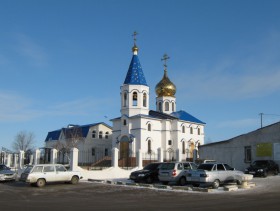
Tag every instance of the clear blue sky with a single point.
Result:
(64, 61)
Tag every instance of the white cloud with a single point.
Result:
(16, 108)
(31, 51)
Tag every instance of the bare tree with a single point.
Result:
(73, 135)
(24, 141)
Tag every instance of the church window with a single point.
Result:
(166, 106)
(106, 152)
(145, 100)
(100, 134)
(124, 122)
(183, 148)
(106, 135)
(93, 135)
(198, 131)
(183, 129)
(149, 127)
(125, 99)
(169, 142)
(134, 98)
(160, 106)
(93, 151)
(149, 147)
(173, 106)
(191, 130)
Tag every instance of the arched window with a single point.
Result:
(173, 106)
(93, 135)
(125, 99)
(183, 148)
(100, 134)
(134, 98)
(198, 131)
(106, 135)
(183, 129)
(149, 127)
(145, 100)
(160, 106)
(149, 147)
(166, 106)
(191, 130)
(124, 122)
(169, 142)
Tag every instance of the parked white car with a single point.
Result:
(46, 173)
(6, 174)
(175, 172)
(214, 174)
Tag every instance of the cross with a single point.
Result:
(165, 57)
(134, 36)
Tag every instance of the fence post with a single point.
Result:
(53, 156)
(21, 158)
(139, 159)
(37, 156)
(160, 155)
(74, 155)
(115, 157)
(9, 160)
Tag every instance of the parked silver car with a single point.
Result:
(214, 174)
(41, 174)
(6, 173)
(175, 172)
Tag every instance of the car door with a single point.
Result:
(61, 173)
(222, 173)
(49, 173)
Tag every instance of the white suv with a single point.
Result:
(41, 174)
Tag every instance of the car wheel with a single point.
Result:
(265, 174)
(276, 172)
(216, 184)
(149, 180)
(74, 180)
(165, 183)
(41, 183)
(182, 181)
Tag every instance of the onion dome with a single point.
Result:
(165, 87)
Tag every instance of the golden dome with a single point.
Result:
(165, 87)
(134, 48)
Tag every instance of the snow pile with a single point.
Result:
(112, 173)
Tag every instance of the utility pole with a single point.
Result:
(261, 114)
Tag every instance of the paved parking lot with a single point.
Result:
(98, 196)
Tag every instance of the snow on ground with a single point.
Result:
(112, 173)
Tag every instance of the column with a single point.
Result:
(37, 156)
(139, 159)
(115, 157)
(160, 155)
(74, 155)
(21, 159)
(53, 156)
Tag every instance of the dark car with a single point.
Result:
(263, 168)
(148, 174)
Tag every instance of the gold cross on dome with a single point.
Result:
(165, 57)
(134, 36)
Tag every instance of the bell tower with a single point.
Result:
(134, 91)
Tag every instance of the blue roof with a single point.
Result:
(182, 115)
(135, 74)
(68, 132)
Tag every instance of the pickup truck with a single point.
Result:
(214, 174)
(41, 174)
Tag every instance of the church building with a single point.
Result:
(174, 134)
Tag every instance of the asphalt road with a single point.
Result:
(96, 196)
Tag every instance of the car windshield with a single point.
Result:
(28, 169)
(260, 163)
(167, 166)
(205, 166)
(3, 167)
(151, 166)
